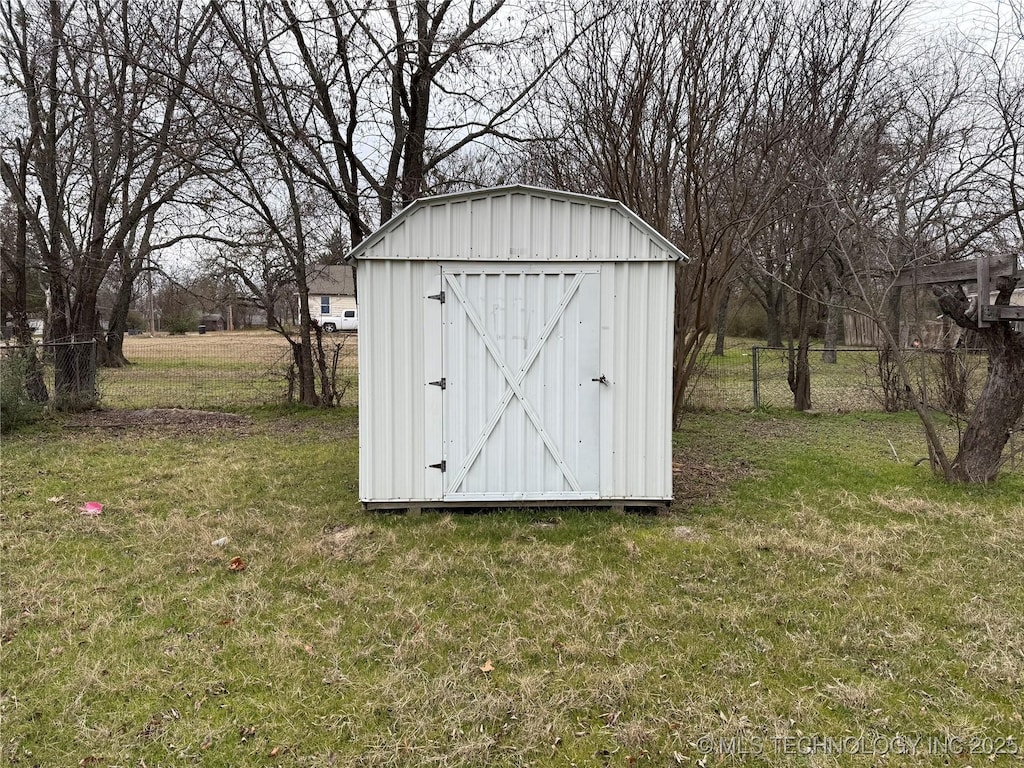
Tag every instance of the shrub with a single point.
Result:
(16, 407)
(135, 321)
(179, 325)
(747, 319)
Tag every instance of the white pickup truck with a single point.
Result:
(346, 321)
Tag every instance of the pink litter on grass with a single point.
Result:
(91, 508)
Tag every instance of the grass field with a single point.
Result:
(215, 370)
(811, 584)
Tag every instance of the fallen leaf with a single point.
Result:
(487, 666)
(236, 565)
(56, 500)
(226, 622)
(207, 743)
(275, 752)
(308, 649)
(91, 508)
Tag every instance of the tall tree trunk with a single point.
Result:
(999, 408)
(721, 321)
(304, 350)
(114, 342)
(893, 317)
(799, 360)
(17, 262)
(74, 375)
(833, 317)
(133, 261)
(775, 311)
(1001, 403)
(76, 329)
(271, 308)
(19, 259)
(326, 380)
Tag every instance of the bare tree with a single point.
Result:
(100, 85)
(16, 262)
(361, 107)
(1000, 406)
(917, 190)
(679, 111)
(374, 100)
(838, 74)
(264, 274)
(273, 211)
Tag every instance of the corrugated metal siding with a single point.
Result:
(399, 353)
(636, 355)
(516, 225)
(401, 428)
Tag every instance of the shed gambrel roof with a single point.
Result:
(517, 223)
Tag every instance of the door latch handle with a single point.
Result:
(601, 380)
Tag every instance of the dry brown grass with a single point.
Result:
(217, 370)
(237, 346)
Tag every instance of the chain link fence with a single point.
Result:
(859, 379)
(59, 374)
(221, 370)
(208, 371)
(225, 370)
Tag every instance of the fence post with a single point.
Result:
(753, 364)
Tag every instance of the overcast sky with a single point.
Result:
(971, 17)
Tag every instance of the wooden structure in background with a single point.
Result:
(980, 271)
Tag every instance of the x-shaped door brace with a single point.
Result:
(515, 382)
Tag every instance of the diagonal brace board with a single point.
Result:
(514, 381)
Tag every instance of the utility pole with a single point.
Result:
(152, 308)
(229, 293)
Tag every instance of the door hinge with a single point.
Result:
(438, 297)
(442, 383)
(443, 465)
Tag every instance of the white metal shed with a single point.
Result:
(515, 347)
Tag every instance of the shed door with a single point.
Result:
(521, 354)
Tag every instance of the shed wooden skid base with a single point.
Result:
(621, 505)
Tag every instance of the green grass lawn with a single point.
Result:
(810, 583)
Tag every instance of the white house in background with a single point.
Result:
(515, 348)
(332, 291)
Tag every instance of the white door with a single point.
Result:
(520, 355)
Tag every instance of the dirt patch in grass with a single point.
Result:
(179, 421)
(696, 481)
(327, 426)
